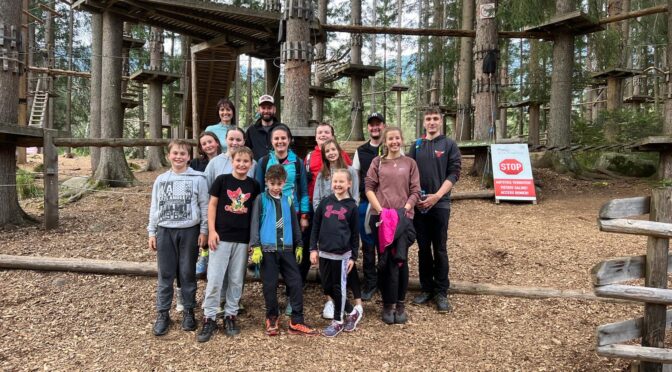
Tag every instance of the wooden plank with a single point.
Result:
(621, 269)
(614, 333)
(116, 142)
(623, 208)
(50, 162)
(637, 227)
(635, 293)
(648, 354)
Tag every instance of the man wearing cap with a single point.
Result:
(361, 162)
(257, 136)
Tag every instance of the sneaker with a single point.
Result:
(179, 304)
(328, 312)
(422, 298)
(367, 295)
(301, 329)
(388, 313)
(188, 320)
(352, 320)
(288, 309)
(333, 329)
(161, 324)
(209, 329)
(272, 328)
(230, 327)
(442, 304)
(400, 316)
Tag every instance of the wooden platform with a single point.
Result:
(25, 136)
(316, 91)
(638, 99)
(616, 72)
(350, 69)
(524, 103)
(577, 23)
(399, 88)
(146, 76)
(653, 144)
(129, 42)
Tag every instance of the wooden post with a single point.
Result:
(23, 83)
(356, 81)
(321, 55)
(297, 54)
(50, 159)
(195, 124)
(533, 129)
(272, 85)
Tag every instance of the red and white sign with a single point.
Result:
(512, 172)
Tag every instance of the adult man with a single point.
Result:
(257, 136)
(362, 161)
(439, 163)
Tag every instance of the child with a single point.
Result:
(178, 225)
(231, 197)
(209, 146)
(335, 234)
(332, 158)
(273, 236)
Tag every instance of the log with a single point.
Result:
(621, 269)
(624, 208)
(636, 293)
(618, 332)
(109, 267)
(637, 227)
(116, 142)
(486, 194)
(647, 354)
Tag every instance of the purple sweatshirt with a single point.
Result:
(395, 182)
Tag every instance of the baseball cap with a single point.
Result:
(266, 98)
(376, 115)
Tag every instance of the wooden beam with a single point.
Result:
(37, 19)
(633, 14)
(218, 41)
(621, 269)
(357, 29)
(647, 354)
(636, 293)
(624, 208)
(115, 142)
(618, 332)
(637, 227)
(56, 71)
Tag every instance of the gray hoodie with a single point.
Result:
(179, 200)
(223, 164)
(323, 187)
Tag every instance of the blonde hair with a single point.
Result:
(179, 142)
(387, 130)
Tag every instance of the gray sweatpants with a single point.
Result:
(228, 259)
(176, 254)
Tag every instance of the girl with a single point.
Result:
(227, 117)
(208, 147)
(222, 164)
(393, 183)
(335, 240)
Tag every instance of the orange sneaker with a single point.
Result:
(272, 328)
(301, 329)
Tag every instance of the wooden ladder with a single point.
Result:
(38, 111)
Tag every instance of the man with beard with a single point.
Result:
(257, 136)
(361, 162)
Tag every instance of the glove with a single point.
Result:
(299, 254)
(256, 255)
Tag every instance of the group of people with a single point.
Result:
(250, 198)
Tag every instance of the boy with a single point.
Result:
(231, 197)
(178, 225)
(274, 234)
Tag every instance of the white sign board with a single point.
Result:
(512, 172)
(487, 11)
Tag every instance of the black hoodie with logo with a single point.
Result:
(336, 226)
(438, 160)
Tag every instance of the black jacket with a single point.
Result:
(258, 139)
(336, 226)
(365, 154)
(438, 160)
(404, 237)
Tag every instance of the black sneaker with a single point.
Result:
(388, 314)
(442, 304)
(400, 316)
(367, 295)
(161, 324)
(209, 329)
(422, 298)
(230, 327)
(188, 320)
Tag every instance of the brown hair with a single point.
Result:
(179, 142)
(227, 103)
(276, 172)
(326, 166)
(323, 124)
(432, 111)
(202, 153)
(242, 150)
(385, 132)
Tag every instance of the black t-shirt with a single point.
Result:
(234, 207)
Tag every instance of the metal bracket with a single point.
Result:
(356, 40)
(13, 37)
(302, 9)
(10, 61)
(356, 106)
(301, 51)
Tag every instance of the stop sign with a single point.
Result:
(511, 166)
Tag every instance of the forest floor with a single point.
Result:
(69, 321)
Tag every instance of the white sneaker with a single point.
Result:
(179, 304)
(360, 309)
(328, 312)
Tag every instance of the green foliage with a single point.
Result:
(606, 46)
(632, 125)
(39, 168)
(26, 186)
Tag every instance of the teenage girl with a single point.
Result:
(208, 147)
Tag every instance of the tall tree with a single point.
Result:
(112, 169)
(356, 81)
(11, 212)
(437, 50)
(96, 84)
(466, 72)
(155, 155)
(296, 106)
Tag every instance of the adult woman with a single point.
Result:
(227, 117)
(393, 189)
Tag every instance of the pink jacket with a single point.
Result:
(388, 225)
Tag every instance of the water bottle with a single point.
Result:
(423, 197)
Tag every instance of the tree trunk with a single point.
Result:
(485, 97)
(665, 167)
(23, 81)
(466, 72)
(10, 213)
(96, 81)
(273, 86)
(250, 112)
(437, 50)
(320, 55)
(561, 97)
(503, 80)
(50, 41)
(296, 106)
(113, 169)
(374, 20)
(155, 155)
(236, 91)
(356, 81)
(141, 119)
(68, 107)
(533, 129)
